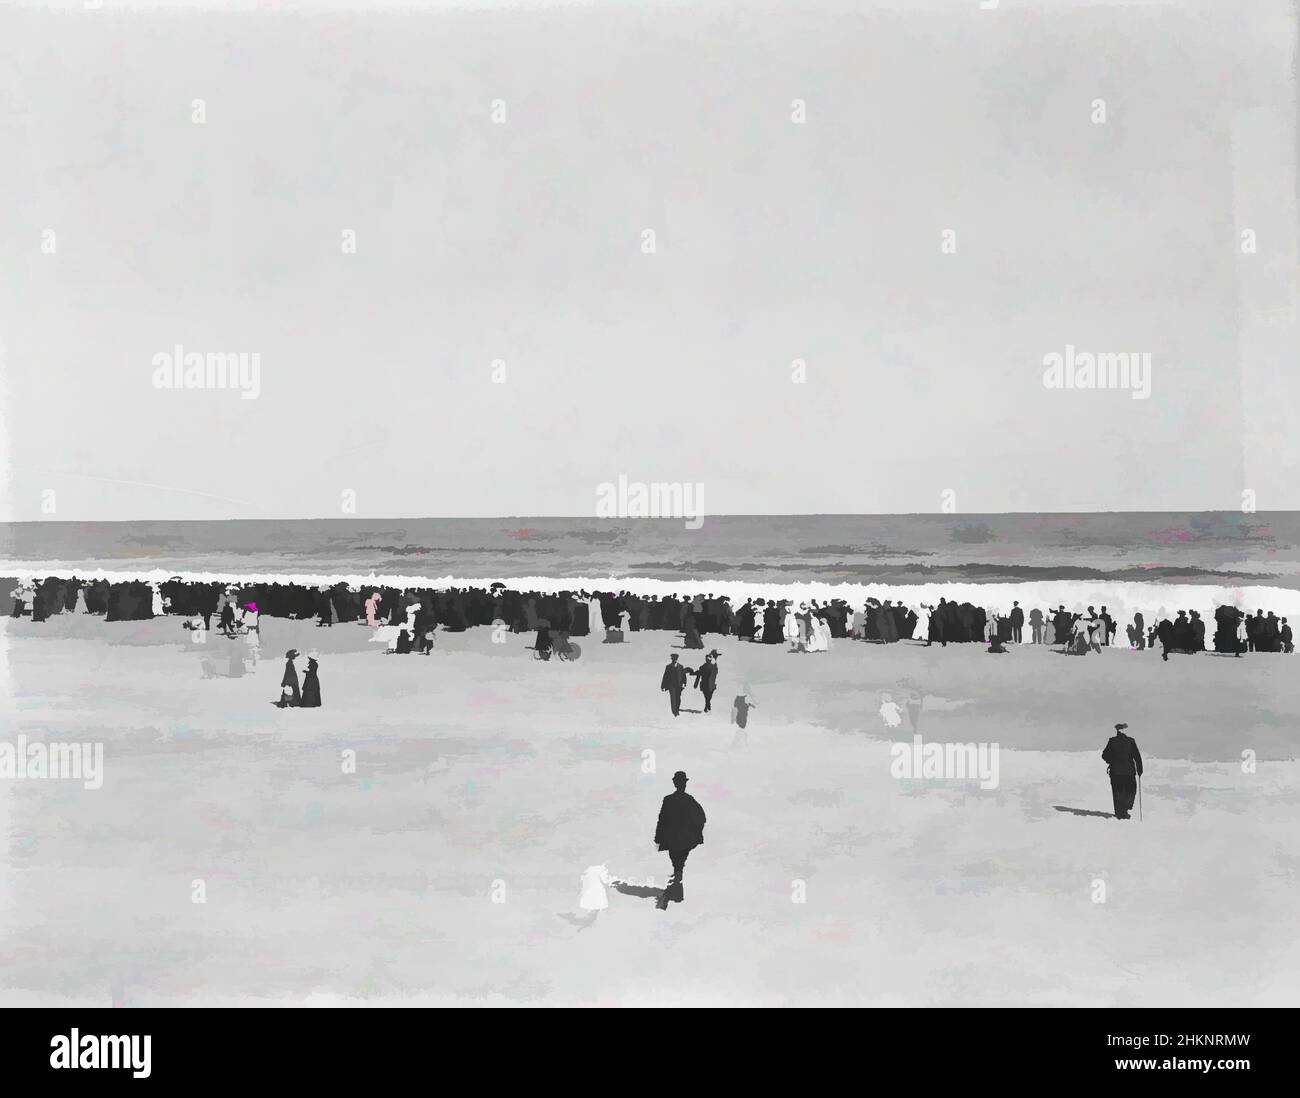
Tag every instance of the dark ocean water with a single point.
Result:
(1212, 547)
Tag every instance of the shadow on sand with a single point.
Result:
(645, 892)
(1084, 812)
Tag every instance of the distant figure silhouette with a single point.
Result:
(1137, 634)
(674, 681)
(1165, 634)
(310, 685)
(289, 694)
(679, 831)
(690, 630)
(1017, 623)
(915, 702)
(740, 708)
(1124, 765)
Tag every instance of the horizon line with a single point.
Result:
(668, 518)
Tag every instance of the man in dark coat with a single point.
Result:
(1108, 633)
(1062, 623)
(1269, 633)
(1227, 620)
(938, 624)
(1165, 634)
(207, 602)
(747, 620)
(674, 681)
(679, 831)
(887, 624)
(1253, 628)
(1124, 764)
(706, 678)
(1017, 623)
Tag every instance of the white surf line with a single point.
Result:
(1120, 598)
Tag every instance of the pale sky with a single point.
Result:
(523, 242)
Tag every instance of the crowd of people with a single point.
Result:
(406, 620)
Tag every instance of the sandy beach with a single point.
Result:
(483, 775)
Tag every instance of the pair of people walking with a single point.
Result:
(673, 680)
(290, 695)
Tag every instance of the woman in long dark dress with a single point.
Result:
(772, 631)
(289, 694)
(310, 685)
(690, 631)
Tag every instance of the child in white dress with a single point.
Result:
(890, 713)
(594, 881)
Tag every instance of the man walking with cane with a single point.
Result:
(1124, 765)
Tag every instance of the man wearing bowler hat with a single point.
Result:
(674, 681)
(680, 830)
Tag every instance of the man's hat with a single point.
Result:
(715, 652)
(292, 654)
(672, 655)
(1120, 727)
(681, 774)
